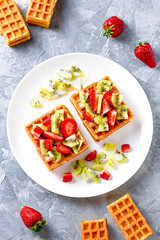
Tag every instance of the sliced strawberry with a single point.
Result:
(87, 116)
(108, 96)
(93, 98)
(112, 115)
(125, 148)
(37, 131)
(47, 122)
(67, 177)
(63, 149)
(48, 144)
(105, 175)
(91, 156)
(105, 106)
(38, 141)
(53, 136)
(68, 127)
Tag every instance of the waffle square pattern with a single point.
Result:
(12, 24)
(94, 229)
(129, 219)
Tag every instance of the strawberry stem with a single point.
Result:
(108, 31)
(37, 227)
(141, 44)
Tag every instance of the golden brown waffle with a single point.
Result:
(94, 229)
(40, 12)
(12, 24)
(129, 219)
(93, 127)
(51, 165)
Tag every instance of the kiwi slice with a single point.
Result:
(122, 112)
(56, 156)
(97, 167)
(98, 119)
(110, 161)
(103, 126)
(77, 147)
(100, 158)
(56, 120)
(93, 175)
(90, 110)
(51, 85)
(65, 73)
(104, 86)
(99, 103)
(44, 128)
(84, 174)
(44, 93)
(76, 72)
(116, 100)
(65, 85)
(34, 102)
(77, 166)
(42, 147)
(71, 141)
(109, 146)
(119, 156)
(83, 96)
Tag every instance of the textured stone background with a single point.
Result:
(77, 27)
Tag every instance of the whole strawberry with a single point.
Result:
(144, 52)
(32, 218)
(113, 27)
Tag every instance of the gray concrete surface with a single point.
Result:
(77, 27)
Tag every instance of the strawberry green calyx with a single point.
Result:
(37, 227)
(141, 44)
(108, 31)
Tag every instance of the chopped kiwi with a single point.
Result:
(51, 85)
(90, 110)
(54, 154)
(110, 161)
(34, 102)
(77, 166)
(99, 103)
(84, 174)
(104, 86)
(122, 112)
(109, 146)
(83, 96)
(44, 128)
(65, 85)
(103, 126)
(65, 73)
(77, 147)
(116, 100)
(93, 175)
(101, 158)
(44, 93)
(97, 167)
(119, 156)
(76, 72)
(98, 119)
(56, 120)
(42, 147)
(71, 141)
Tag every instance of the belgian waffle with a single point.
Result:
(93, 127)
(40, 12)
(12, 24)
(94, 229)
(51, 165)
(129, 219)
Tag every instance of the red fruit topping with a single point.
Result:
(67, 177)
(53, 136)
(47, 122)
(108, 96)
(91, 156)
(38, 141)
(112, 115)
(32, 218)
(87, 116)
(105, 175)
(68, 127)
(48, 144)
(63, 149)
(144, 52)
(93, 98)
(37, 131)
(113, 27)
(105, 106)
(125, 148)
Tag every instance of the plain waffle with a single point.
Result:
(94, 229)
(40, 12)
(129, 219)
(91, 126)
(49, 162)
(12, 24)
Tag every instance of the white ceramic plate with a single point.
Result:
(138, 133)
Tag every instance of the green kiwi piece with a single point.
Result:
(90, 110)
(65, 85)
(97, 167)
(56, 120)
(93, 175)
(83, 96)
(104, 86)
(98, 119)
(77, 147)
(84, 174)
(76, 72)
(44, 93)
(119, 156)
(122, 112)
(99, 103)
(109, 146)
(71, 141)
(100, 158)
(78, 166)
(110, 161)
(51, 85)
(103, 126)
(44, 128)
(42, 147)
(54, 154)
(116, 99)
(65, 73)
(34, 102)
